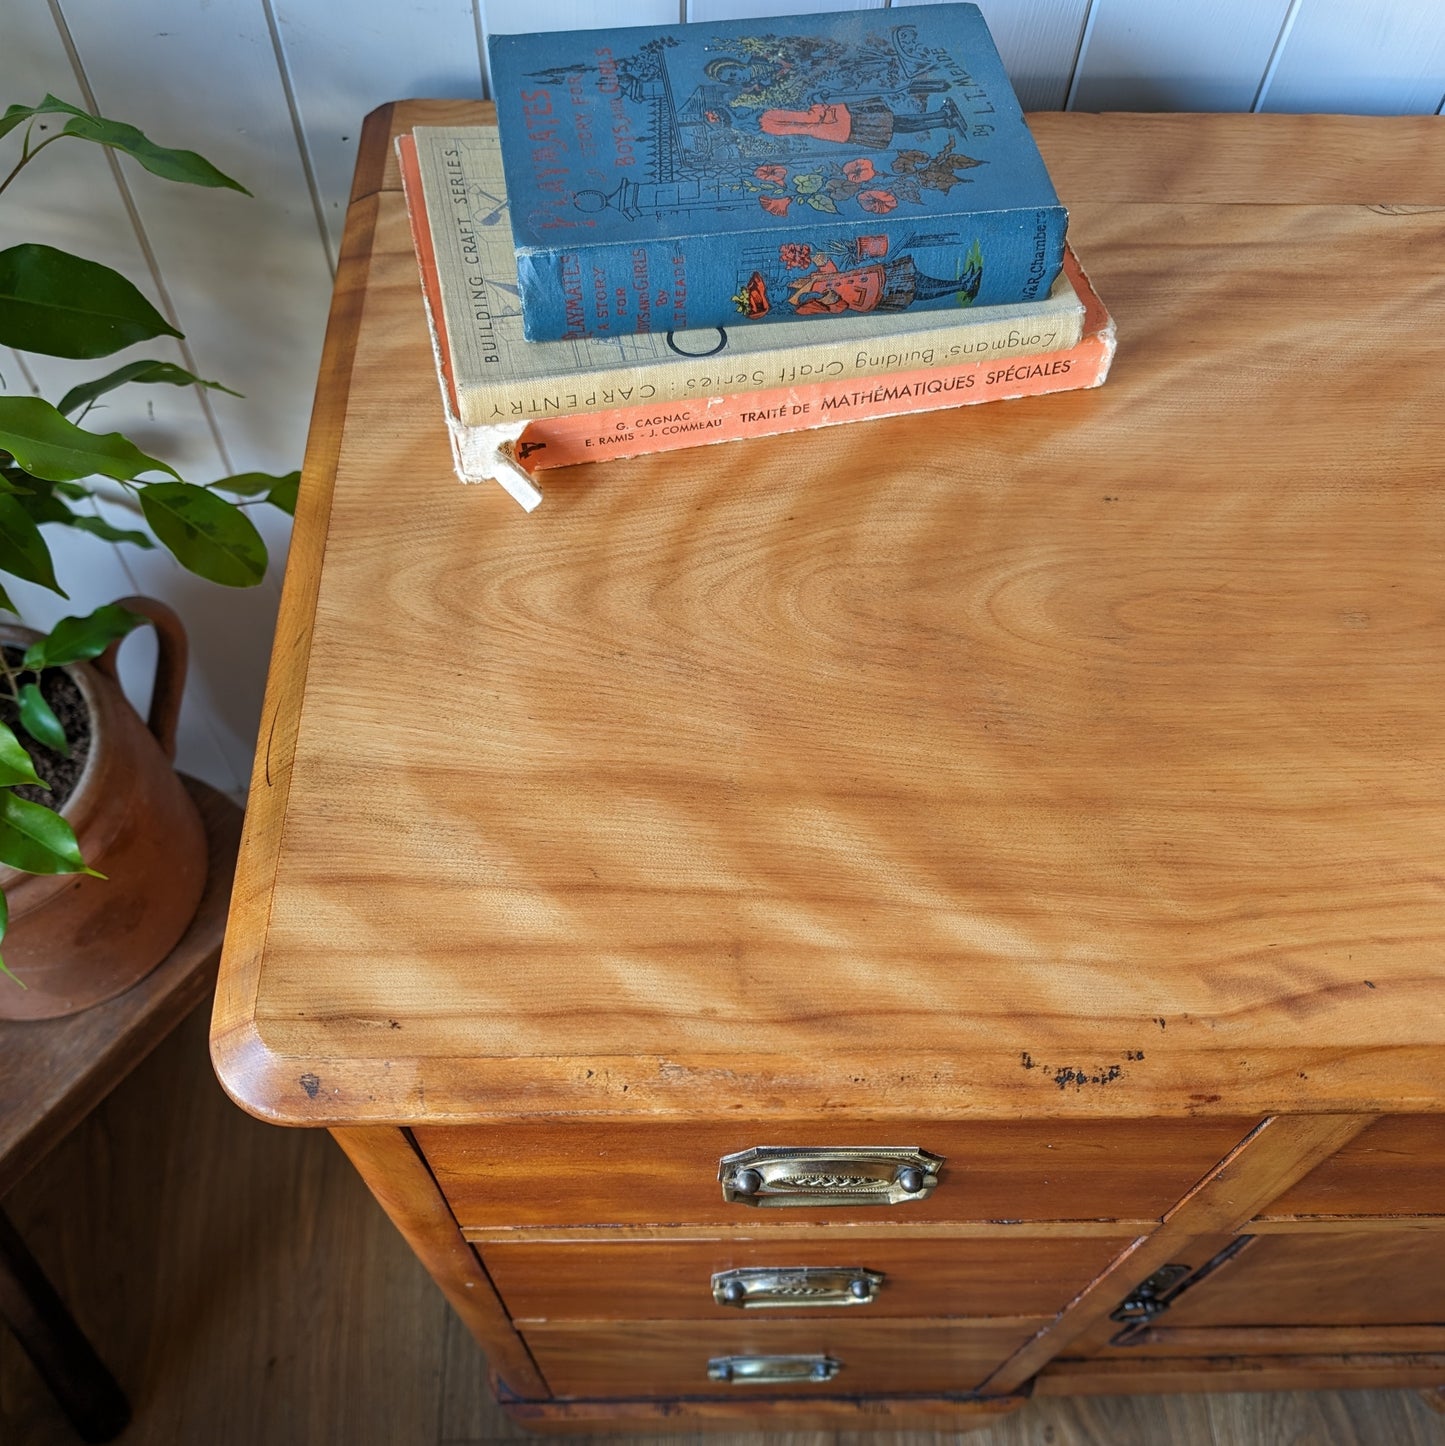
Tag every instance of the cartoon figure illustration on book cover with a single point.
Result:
(867, 280)
(870, 123)
(781, 120)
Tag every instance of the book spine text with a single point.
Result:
(639, 430)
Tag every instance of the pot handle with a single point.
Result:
(170, 668)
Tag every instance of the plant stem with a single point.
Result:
(12, 684)
(27, 155)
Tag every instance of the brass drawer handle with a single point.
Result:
(770, 1175)
(757, 1287)
(772, 1370)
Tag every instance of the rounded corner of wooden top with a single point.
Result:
(255, 1078)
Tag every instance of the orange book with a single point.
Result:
(487, 452)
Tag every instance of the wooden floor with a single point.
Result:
(248, 1292)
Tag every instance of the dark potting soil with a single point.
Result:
(68, 705)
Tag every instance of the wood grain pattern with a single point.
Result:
(1271, 1159)
(1205, 160)
(806, 1423)
(234, 1046)
(731, 762)
(54, 1072)
(661, 1173)
(322, 1326)
(670, 1358)
(1327, 1224)
(780, 1227)
(923, 1278)
(1344, 1279)
(315, 1323)
(1393, 1168)
(1331, 1340)
(1241, 1373)
(399, 1179)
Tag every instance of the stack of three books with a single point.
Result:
(725, 231)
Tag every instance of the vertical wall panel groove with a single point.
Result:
(1038, 41)
(1385, 58)
(1208, 56)
(303, 147)
(342, 61)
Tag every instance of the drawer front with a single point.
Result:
(645, 1280)
(650, 1173)
(1326, 1292)
(1395, 1167)
(672, 1358)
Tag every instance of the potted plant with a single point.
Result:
(75, 937)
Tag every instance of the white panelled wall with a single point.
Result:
(273, 91)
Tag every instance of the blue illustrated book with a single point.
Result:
(666, 178)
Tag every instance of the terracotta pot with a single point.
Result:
(74, 940)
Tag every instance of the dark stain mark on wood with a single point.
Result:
(311, 1084)
(1369, 984)
(1067, 1076)
(1160, 1023)
(1078, 1076)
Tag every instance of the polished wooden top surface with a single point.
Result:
(1077, 755)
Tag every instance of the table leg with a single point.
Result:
(77, 1377)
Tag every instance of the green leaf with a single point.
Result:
(210, 536)
(37, 840)
(63, 305)
(99, 527)
(136, 371)
(41, 724)
(246, 484)
(171, 165)
(807, 185)
(43, 505)
(45, 443)
(23, 552)
(279, 491)
(15, 115)
(75, 640)
(5, 602)
(821, 202)
(284, 494)
(16, 765)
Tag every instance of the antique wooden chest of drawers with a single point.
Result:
(867, 925)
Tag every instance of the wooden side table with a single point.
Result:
(52, 1074)
(1022, 823)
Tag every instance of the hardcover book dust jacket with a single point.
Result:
(747, 171)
